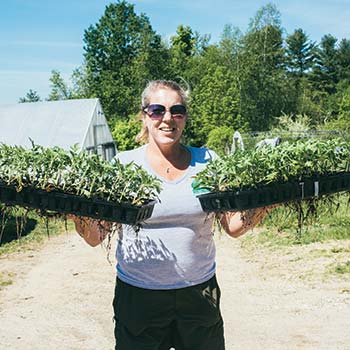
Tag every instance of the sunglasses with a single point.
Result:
(157, 112)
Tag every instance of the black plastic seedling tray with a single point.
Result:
(274, 193)
(65, 203)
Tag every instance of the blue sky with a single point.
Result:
(37, 36)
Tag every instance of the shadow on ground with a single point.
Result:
(14, 228)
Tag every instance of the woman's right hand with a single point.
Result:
(93, 231)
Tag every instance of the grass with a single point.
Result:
(337, 250)
(331, 222)
(320, 251)
(5, 279)
(35, 232)
(343, 268)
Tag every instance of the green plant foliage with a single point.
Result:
(324, 74)
(261, 76)
(300, 122)
(124, 133)
(343, 268)
(23, 229)
(245, 81)
(214, 104)
(31, 96)
(122, 51)
(220, 140)
(181, 50)
(59, 89)
(330, 221)
(80, 173)
(342, 122)
(289, 161)
(300, 53)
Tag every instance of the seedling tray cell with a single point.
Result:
(7, 194)
(274, 193)
(66, 203)
(335, 183)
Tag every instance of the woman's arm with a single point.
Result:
(93, 231)
(238, 223)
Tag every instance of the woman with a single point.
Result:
(166, 292)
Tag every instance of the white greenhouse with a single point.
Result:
(58, 123)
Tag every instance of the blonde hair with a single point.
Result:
(142, 136)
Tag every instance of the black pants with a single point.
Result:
(185, 319)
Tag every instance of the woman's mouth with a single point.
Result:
(167, 129)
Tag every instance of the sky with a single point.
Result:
(38, 36)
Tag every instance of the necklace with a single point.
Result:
(173, 166)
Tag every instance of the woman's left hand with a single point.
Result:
(93, 231)
(238, 223)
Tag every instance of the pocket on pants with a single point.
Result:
(138, 309)
(200, 304)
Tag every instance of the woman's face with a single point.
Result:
(167, 130)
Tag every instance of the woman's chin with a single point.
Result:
(166, 140)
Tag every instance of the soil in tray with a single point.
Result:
(70, 204)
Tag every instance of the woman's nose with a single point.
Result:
(167, 116)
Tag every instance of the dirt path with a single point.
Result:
(61, 299)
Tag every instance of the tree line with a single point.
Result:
(247, 81)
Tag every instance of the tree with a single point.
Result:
(300, 59)
(261, 73)
(220, 139)
(215, 103)
(324, 76)
(231, 45)
(31, 96)
(124, 133)
(59, 89)
(300, 53)
(183, 42)
(266, 16)
(342, 120)
(80, 88)
(182, 51)
(121, 52)
(343, 60)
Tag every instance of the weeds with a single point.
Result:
(5, 279)
(343, 268)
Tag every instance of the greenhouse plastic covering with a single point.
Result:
(55, 123)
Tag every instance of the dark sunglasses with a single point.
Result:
(157, 112)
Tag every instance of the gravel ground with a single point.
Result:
(62, 293)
